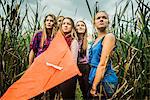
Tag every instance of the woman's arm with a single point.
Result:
(31, 57)
(33, 44)
(108, 45)
(74, 49)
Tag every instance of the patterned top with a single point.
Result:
(82, 57)
(35, 43)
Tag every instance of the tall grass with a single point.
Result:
(14, 44)
(131, 59)
(132, 54)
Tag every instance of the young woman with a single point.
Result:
(42, 38)
(68, 87)
(68, 30)
(59, 20)
(83, 66)
(101, 67)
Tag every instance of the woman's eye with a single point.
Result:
(104, 17)
(59, 20)
(50, 20)
(68, 24)
(98, 17)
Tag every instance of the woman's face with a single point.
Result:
(49, 22)
(66, 26)
(59, 20)
(101, 20)
(80, 27)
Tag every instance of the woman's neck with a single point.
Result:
(80, 36)
(66, 33)
(49, 32)
(101, 34)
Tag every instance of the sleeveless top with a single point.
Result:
(94, 59)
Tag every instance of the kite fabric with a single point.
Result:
(49, 69)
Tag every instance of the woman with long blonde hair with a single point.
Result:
(42, 38)
(59, 21)
(83, 65)
(67, 28)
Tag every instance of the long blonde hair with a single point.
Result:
(84, 45)
(54, 29)
(58, 25)
(73, 32)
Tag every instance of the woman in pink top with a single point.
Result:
(83, 66)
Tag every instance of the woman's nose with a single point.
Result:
(49, 22)
(80, 26)
(101, 20)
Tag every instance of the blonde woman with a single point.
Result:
(67, 29)
(101, 66)
(59, 20)
(42, 38)
(68, 87)
(83, 65)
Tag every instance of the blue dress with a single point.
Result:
(110, 79)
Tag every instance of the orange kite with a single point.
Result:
(49, 69)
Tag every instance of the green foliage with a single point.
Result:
(14, 42)
(132, 54)
(131, 59)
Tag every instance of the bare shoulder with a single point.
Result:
(110, 37)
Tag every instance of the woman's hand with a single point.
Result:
(93, 92)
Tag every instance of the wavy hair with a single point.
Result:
(73, 32)
(84, 45)
(54, 29)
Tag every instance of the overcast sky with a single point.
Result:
(69, 7)
(76, 9)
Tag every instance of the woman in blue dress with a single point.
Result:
(99, 58)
